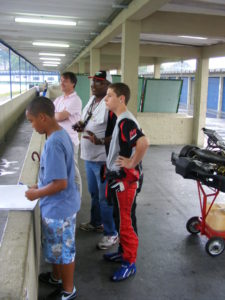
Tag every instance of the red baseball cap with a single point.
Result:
(100, 75)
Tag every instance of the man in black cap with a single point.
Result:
(94, 144)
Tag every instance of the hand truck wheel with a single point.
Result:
(215, 246)
(192, 225)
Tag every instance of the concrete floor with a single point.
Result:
(171, 264)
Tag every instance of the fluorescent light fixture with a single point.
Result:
(47, 44)
(193, 37)
(51, 62)
(48, 65)
(52, 54)
(46, 21)
(50, 58)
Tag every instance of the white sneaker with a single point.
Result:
(107, 241)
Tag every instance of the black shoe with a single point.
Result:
(48, 278)
(89, 227)
(59, 294)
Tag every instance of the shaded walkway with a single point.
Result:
(171, 263)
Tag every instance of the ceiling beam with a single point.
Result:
(165, 51)
(168, 51)
(111, 49)
(214, 51)
(136, 10)
(169, 23)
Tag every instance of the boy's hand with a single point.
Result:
(32, 194)
(124, 162)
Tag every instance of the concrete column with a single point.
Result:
(220, 98)
(200, 100)
(189, 94)
(94, 61)
(130, 60)
(157, 70)
(81, 66)
(75, 68)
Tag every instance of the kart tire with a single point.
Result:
(186, 151)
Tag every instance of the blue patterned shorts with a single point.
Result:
(58, 240)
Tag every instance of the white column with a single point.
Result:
(157, 70)
(130, 60)
(189, 94)
(220, 98)
(200, 100)
(94, 61)
(75, 68)
(81, 66)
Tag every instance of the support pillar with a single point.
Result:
(200, 100)
(81, 66)
(157, 70)
(130, 60)
(75, 68)
(220, 98)
(189, 94)
(94, 61)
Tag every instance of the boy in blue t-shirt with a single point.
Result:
(59, 198)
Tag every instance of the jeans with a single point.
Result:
(101, 212)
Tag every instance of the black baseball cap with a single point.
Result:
(100, 75)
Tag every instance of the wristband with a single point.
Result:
(102, 141)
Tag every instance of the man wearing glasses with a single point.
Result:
(94, 144)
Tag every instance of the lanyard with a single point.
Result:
(90, 111)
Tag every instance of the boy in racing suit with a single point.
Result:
(127, 149)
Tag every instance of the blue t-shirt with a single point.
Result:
(57, 162)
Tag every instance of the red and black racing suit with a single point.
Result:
(123, 197)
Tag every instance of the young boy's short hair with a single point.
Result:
(121, 89)
(71, 76)
(41, 105)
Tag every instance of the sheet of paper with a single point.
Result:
(12, 197)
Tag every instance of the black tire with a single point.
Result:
(215, 246)
(187, 151)
(192, 224)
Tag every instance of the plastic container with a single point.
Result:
(216, 216)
